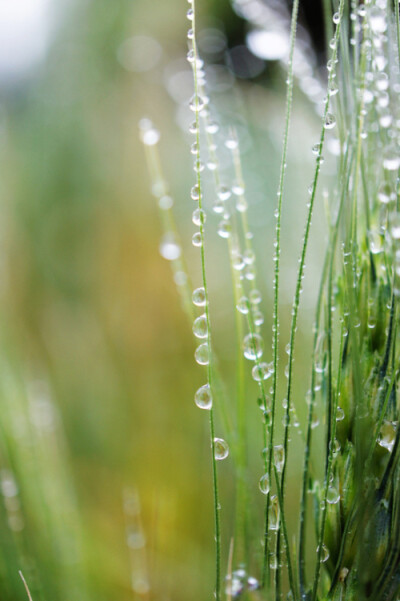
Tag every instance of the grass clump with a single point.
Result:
(345, 540)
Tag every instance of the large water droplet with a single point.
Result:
(333, 495)
(203, 398)
(199, 297)
(202, 355)
(253, 346)
(200, 329)
(264, 484)
(261, 372)
(221, 449)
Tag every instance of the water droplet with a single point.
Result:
(391, 161)
(264, 484)
(324, 553)
(200, 329)
(387, 435)
(316, 148)
(332, 496)
(261, 372)
(203, 398)
(150, 136)
(238, 188)
(190, 14)
(253, 346)
(339, 414)
(223, 193)
(242, 305)
(197, 239)
(197, 103)
(190, 34)
(279, 457)
(212, 127)
(199, 297)
(330, 121)
(384, 193)
(252, 583)
(165, 203)
(258, 318)
(224, 228)
(193, 127)
(377, 20)
(195, 192)
(169, 248)
(221, 449)
(202, 355)
(194, 148)
(255, 297)
(198, 217)
(198, 166)
(274, 513)
(336, 18)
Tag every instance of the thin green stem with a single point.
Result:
(207, 312)
(271, 428)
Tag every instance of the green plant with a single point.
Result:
(353, 553)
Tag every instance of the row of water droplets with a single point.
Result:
(201, 324)
(170, 246)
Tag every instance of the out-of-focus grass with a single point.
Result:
(97, 377)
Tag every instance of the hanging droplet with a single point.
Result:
(238, 262)
(253, 346)
(198, 217)
(316, 148)
(377, 20)
(190, 34)
(261, 372)
(274, 513)
(199, 297)
(203, 398)
(224, 228)
(169, 247)
(238, 188)
(221, 449)
(264, 484)
(332, 496)
(197, 103)
(242, 305)
(330, 121)
(255, 296)
(223, 192)
(258, 318)
(193, 129)
(197, 239)
(336, 18)
(279, 457)
(190, 14)
(387, 435)
(212, 127)
(200, 329)
(195, 192)
(202, 355)
(249, 257)
(339, 414)
(252, 583)
(324, 553)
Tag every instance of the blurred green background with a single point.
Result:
(96, 355)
